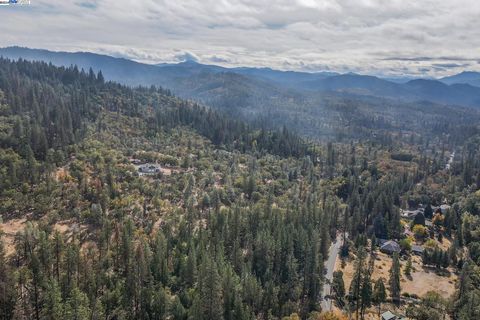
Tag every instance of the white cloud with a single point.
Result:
(369, 36)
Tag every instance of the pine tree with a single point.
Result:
(7, 293)
(190, 274)
(159, 263)
(408, 267)
(53, 308)
(178, 310)
(379, 294)
(338, 287)
(77, 307)
(395, 279)
(357, 280)
(366, 293)
(159, 304)
(210, 290)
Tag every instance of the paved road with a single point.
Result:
(450, 161)
(330, 266)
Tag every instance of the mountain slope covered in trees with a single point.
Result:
(199, 240)
(313, 104)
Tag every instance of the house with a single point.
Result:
(148, 169)
(390, 316)
(411, 214)
(390, 247)
(442, 208)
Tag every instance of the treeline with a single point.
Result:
(436, 257)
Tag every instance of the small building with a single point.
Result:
(149, 169)
(388, 315)
(390, 247)
(411, 214)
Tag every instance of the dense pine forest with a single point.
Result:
(234, 221)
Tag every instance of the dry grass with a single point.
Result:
(10, 229)
(421, 281)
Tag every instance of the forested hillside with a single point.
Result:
(130, 203)
(322, 106)
(199, 239)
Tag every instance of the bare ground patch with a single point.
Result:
(10, 229)
(422, 279)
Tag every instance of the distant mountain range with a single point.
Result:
(193, 80)
(314, 104)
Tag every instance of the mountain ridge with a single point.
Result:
(312, 104)
(466, 77)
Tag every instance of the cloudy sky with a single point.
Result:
(394, 37)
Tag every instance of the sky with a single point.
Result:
(429, 38)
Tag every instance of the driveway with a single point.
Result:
(330, 266)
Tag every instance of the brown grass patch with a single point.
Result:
(422, 279)
(10, 229)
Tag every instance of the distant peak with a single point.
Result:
(469, 72)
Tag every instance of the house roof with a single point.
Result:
(388, 316)
(410, 214)
(391, 246)
(381, 241)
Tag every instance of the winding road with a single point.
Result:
(330, 266)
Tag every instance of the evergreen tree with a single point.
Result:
(7, 293)
(379, 294)
(210, 290)
(54, 308)
(338, 286)
(408, 267)
(395, 279)
(77, 306)
(355, 294)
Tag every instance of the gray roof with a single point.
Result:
(388, 316)
(391, 246)
(381, 241)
